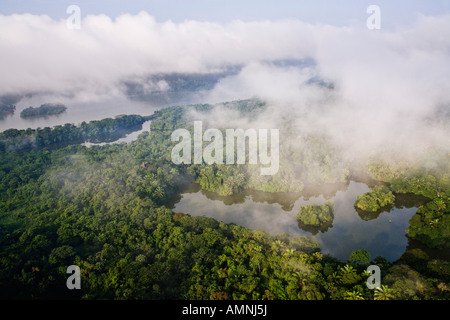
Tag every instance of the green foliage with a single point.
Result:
(44, 110)
(379, 197)
(384, 293)
(103, 209)
(313, 158)
(359, 257)
(349, 275)
(223, 179)
(431, 224)
(428, 176)
(316, 214)
(305, 244)
(316, 217)
(407, 284)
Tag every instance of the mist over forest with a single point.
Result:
(363, 118)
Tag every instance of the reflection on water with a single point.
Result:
(381, 233)
(76, 112)
(127, 139)
(84, 109)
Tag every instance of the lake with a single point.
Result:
(381, 233)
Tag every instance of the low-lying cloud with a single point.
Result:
(41, 54)
(369, 80)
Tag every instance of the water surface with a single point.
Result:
(77, 112)
(381, 234)
(127, 139)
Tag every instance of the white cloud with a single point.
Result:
(38, 53)
(388, 80)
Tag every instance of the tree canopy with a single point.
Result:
(104, 210)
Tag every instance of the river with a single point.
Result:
(77, 112)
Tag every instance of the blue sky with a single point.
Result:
(337, 12)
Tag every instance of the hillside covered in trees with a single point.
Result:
(104, 209)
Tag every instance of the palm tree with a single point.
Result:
(335, 277)
(159, 192)
(383, 293)
(349, 275)
(366, 274)
(434, 222)
(347, 269)
(289, 252)
(353, 295)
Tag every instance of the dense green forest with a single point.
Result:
(104, 209)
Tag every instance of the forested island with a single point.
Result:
(6, 109)
(101, 209)
(375, 200)
(316, 217)
(46, 109)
